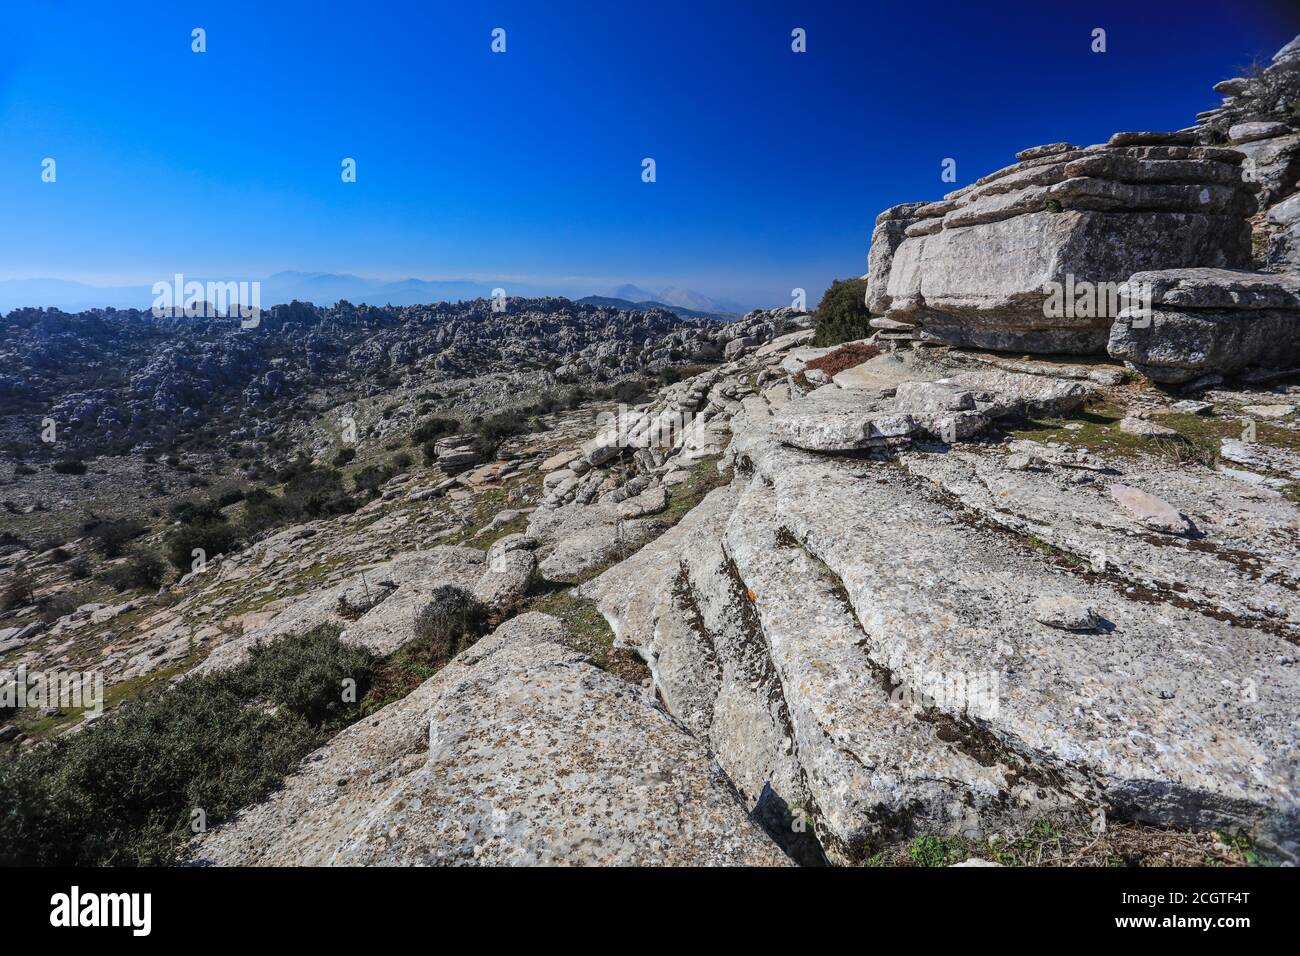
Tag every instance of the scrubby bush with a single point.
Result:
(453, 619)
(122, 791)
(371, 478)
(630, 391)
(78, 569)
(198, 511)
(18, 592)
(433, 428)
(59, 605)
(69, 466)
(343, 456)
(842, 315)
(305, 673)
(143, 569)
(262, 510)
(490, 432)
(112, 537)
(315, 492)
(212, 537)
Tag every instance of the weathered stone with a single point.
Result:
(1051, 149)
(1249, 132)
(1273, 165)
(519, 752)
(1152, 139)
(1153, 512)
(891, 227)
(383, 628)
(989, 285)
(1145, 428)
(1066, 613)
(1208, 321)
(508, 578)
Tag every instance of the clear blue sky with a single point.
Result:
(771, 165)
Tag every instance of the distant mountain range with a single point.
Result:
(628, 305)
(322, 288)
(683, 298)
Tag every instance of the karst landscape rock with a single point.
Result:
(1012, 564)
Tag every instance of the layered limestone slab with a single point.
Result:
(950, 407)
(988, 284)
(1166, 714)
(519, 752)
(977, 267)
(576, 539)
(874, 766)
(680, 605)
(1240, 564)
(1209, 321)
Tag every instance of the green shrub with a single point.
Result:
(143, 569)
(69, 466)
(343, 456)
(630, 392)
(262, 510)
(57, 605)
(490, 432)
(842, 315)
(305, 673)
(433, 428)
(316, 492)
(371, 478)
(18, 593)
(112, 537)
(213, 537)
(453, 619)
(78, 569)
(124, 790)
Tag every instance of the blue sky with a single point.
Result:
(771, 165)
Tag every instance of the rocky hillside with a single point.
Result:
(1004, 583)
(114, 381)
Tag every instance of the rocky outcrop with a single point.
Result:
(519, 752)
(1257, 118)
(867, 632)
(1209, 321)
(980, 267)
(374, 608)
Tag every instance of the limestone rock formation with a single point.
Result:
(1209, 321)
(877, 640)
(978, 267)
(520, 752)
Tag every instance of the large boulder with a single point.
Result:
(990, 265)
(1209, 321)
